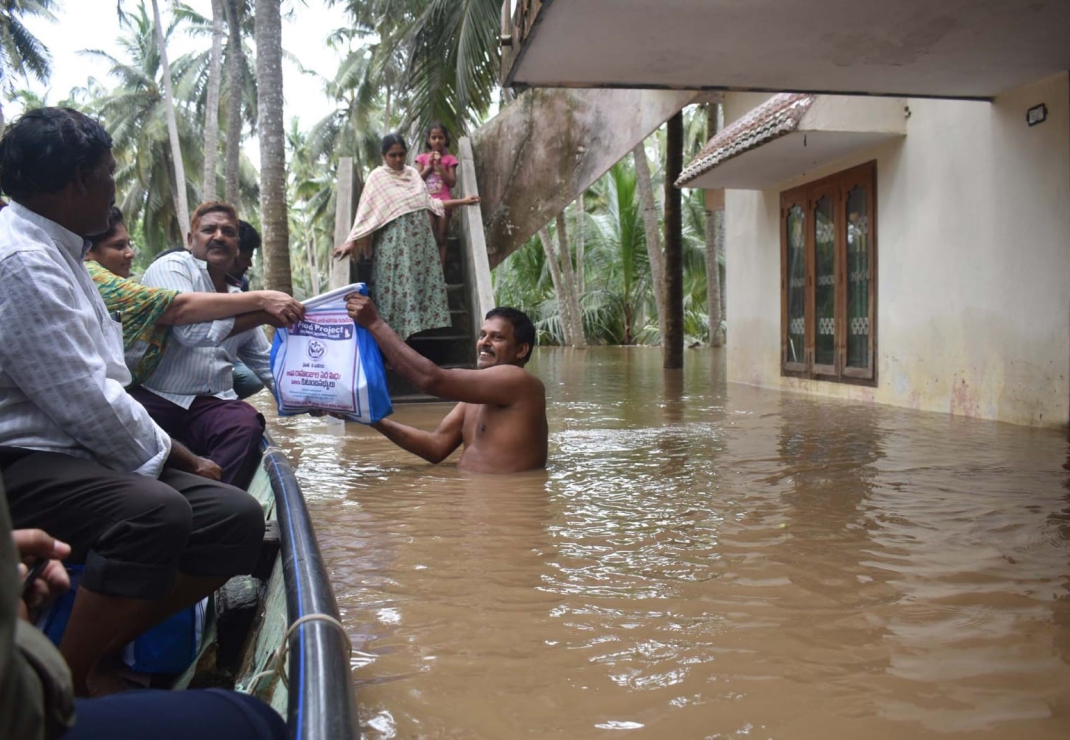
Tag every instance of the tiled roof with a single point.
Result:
(772, 119)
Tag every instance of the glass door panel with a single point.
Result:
(796, 286)
(825, 281)
(858, 277)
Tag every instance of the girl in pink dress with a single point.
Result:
(438, 168)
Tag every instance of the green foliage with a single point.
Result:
(135, 114)
(617, 300)
(438, 59)
(21, 53)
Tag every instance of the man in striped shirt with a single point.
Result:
(191, 393)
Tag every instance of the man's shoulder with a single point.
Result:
(19, 236)
(23, 252)
(170, 263)
(174, 256)
(516, 374)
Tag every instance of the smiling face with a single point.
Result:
(215, 240)
(437, 140)
(497, 344)
(395, 157)
(115, 253)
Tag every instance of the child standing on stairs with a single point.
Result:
(438, 168)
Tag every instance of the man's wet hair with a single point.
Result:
(42, 151)
(248, 237)
(523, 328)
(212, 206)
(115, 217)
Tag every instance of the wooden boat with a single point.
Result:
(296, 653)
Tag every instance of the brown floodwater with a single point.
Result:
(702, 560)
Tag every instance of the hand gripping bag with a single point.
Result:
(326, 362)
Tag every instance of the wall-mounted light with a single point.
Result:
(1036, 114)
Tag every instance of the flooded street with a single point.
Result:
(702, 561)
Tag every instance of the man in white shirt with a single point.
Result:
(80, 458)
(191, 393)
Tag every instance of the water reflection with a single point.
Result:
(703, 561)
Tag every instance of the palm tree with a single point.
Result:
(211, 117)
(182, 204)
(235, 62)
(650, 226)
(193, 75)
(21, 53)
(311, 195)
(136, 116)
(273, 217)
(714, 245)
(450, 54)
(619, 288)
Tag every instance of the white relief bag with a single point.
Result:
(326, 362)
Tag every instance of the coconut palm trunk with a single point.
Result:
(672, 332)
(563, 307)
(181, 203)
(273, 215)
(649, 208)
(581, 244)
(313, 264)
(235, 64)
(211, 113)
(572, 295)
(714, 245)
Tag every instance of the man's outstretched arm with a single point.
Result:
(502, 384)
(433, 446)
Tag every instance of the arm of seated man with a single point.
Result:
(433, 446)
(175, 274)
(261, 306)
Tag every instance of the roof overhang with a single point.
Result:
(908, 48)
(790, 135)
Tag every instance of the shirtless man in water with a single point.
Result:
(501, 417)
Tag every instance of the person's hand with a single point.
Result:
(469, 200)
(207, 469)
(284, 310)
(361, 309)
(34, 545)
(343, 250)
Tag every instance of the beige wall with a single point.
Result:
(973, 240)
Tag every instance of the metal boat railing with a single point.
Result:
(321, 703)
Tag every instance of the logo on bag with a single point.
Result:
(316, 349)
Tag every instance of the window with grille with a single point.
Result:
(828, 277)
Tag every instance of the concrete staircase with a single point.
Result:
(452, 346)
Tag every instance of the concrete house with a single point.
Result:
(895, 178)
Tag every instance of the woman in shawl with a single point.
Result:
(407, 282)
(147, 314)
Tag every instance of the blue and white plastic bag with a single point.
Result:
(326, 362)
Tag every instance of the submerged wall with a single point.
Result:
(973, 245)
